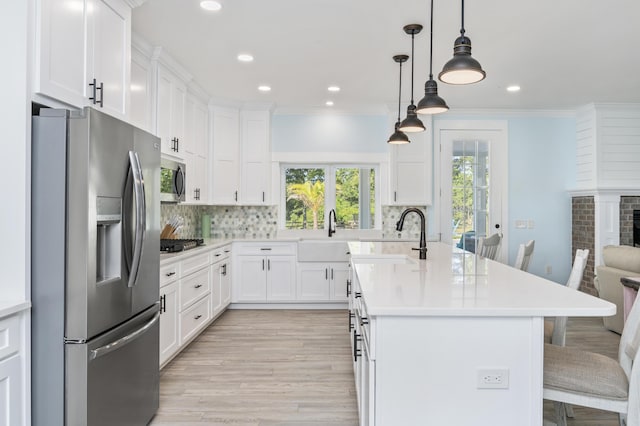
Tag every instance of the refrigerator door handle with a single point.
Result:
(110, 347)
(140, 212)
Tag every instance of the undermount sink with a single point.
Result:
(400, 259)
(323, 251)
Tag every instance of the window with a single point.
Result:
(310, 192)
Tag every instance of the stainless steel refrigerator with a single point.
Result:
(95, 240)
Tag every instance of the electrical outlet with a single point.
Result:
(548, 269)
(521, 224)
(493, 378)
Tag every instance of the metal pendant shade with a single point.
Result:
(398, 137)
(462, 68)
(431, 103)
(412, 123)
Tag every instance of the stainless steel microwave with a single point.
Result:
(172, 181)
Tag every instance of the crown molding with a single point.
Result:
(163, 58)
(135, 3)
(380, 109)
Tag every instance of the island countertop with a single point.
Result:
(453, 282)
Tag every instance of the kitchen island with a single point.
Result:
(456, 339)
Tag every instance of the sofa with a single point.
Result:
(619, 261)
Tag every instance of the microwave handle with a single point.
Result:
(179, 182)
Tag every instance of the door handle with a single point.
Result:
(135, 174)
(104, 350)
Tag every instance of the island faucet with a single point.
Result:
(332, 230)
(423, 237)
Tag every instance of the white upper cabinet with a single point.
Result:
(225, 157)
(141, 98)
(195, 148)
(84, 53)
(170, 112)
(256, 165)
(410, 169)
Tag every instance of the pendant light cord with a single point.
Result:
(412, 37)
(431, 46)
(399, 91)
(462, 29)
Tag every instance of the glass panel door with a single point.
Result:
(469, 192)
(473, 185)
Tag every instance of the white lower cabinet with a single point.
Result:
(265, 273)
(11, 371)
(221, 280)
(193, 291)
(326, 282)
(266, 278)
(169, 321)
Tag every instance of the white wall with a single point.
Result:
(15, 113)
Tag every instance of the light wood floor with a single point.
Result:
(285, 368)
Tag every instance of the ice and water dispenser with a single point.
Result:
(108, 239)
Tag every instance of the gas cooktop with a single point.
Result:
(175, 245)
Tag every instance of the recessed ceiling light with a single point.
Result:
(210, 5)
(264, 88)
(333, 88)
(329, 103)
(513, 88)
(245, 57)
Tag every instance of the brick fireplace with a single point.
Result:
(614, 214)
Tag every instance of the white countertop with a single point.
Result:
(452, 282)
(10, 307)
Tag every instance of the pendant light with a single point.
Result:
(462, 69)
(398, 137)
(412, 123)
(431, 103)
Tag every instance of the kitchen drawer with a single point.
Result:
(9, 336)
(194, 319)
(169, 273)
(221, 253)
(194, 263)
(266, 249)
(194, 287)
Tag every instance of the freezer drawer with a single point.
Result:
(114, 379)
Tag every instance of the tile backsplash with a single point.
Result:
(243, 221)
(261, 222)
(411, 228)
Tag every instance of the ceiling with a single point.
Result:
(563, 53)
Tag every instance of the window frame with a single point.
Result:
(329, 193)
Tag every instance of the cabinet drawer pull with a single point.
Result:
(348, 287)
(197, 317)
(364, 321)
(265, 248)
(358, 294)
(197, 286)
(169, 274)
(218, 254)
(351, 316)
